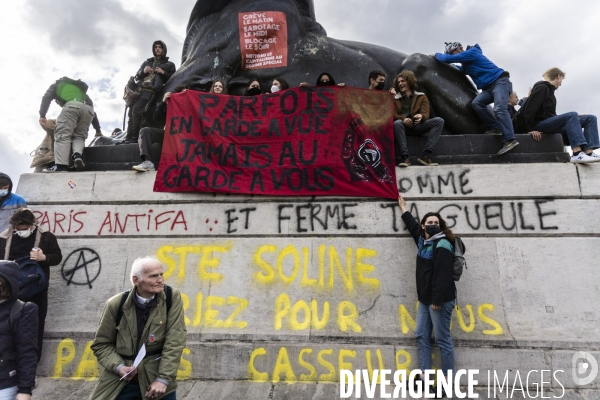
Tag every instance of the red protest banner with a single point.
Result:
(263, 39)
(302, 141)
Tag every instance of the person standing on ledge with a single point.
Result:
(150, 315)
(538, 115)
(152, 75)
(72, 123)
(495, 88)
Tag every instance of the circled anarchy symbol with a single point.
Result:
(82, 269)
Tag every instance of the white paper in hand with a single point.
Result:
(140, 356)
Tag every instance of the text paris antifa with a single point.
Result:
(282, 143)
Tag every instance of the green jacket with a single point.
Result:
(162, 331)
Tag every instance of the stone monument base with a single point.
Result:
(451, 149)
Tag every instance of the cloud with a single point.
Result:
(104, 43)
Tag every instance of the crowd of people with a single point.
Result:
(412, 114)
(126, 318)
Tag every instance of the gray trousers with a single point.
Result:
(432, 128)
(150, 142)
(72, 127)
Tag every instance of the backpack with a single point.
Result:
(168, 292)
(132, 92)
(32, 279)
(459, 258)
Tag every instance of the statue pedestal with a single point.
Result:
(451, 149)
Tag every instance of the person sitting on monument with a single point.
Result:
(151, 139)
(495, 88)
(115, 132)
(279, 84)
(411, 117)
(377, 80)
(22, 235)
(152, 75)
(218, 87)
(253, 88)
(538, 115)
(513, 100)
(325, 79)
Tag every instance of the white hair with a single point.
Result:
(139, 266)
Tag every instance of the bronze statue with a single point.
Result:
(212, 51)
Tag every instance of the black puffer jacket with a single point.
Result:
(162, 63)
(18, 350)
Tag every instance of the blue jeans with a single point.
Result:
(8, 393)
(432, 128)
(131, 391)
(439, 321)
(496, 93)
(571, 124)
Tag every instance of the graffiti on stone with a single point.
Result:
(81, 267)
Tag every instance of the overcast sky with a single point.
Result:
(104, 42)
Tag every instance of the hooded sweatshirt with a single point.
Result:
(156, 81)
(8, 203)
(18, 344)
(540, 105)
(475, 64)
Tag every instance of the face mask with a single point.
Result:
(321, 83)
(432, 229)
(3, 192)
(274, 89)
(23, 234)
(253, 91)
(380, 86)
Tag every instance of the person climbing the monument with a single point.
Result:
(325, 79)
(73, 122)
(18, 337)
(153, 137)
(377, 80)
(436, 290)
(279, 84)
(152, 75)
(9, 201)
(538, 116)
(513, 100)
(22, 234)
(253, 88)
(150, 315)
(411, 118)
(495, 88)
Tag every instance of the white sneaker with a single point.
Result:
(145, 166)
(594, 155)
(583, 158)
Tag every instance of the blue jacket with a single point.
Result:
(8, 204)
(475, 64)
